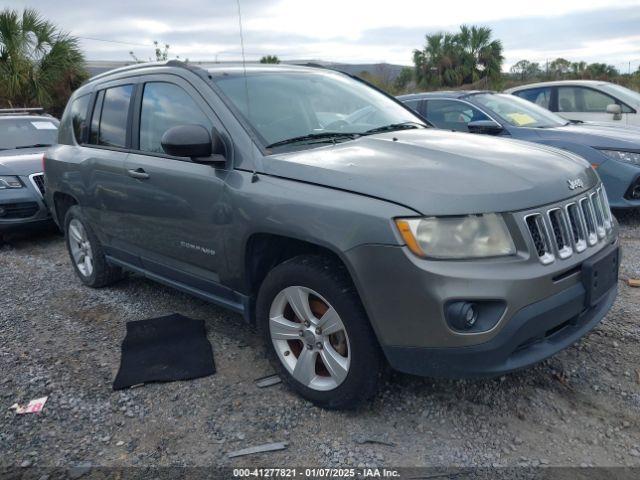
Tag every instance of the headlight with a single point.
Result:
(9, 182)
(472, 236)
(627, 157)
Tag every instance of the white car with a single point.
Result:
(585, 100)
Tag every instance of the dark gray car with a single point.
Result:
(328, 214)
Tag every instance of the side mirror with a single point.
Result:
(193, 141)
(488, 127)
(615, 110)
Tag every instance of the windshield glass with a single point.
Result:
(625, 94)
(519, 112)
(286, 105)
(22, 132)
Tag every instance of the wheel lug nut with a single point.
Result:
(319, 346)
(306, 323)
(318, 331)
(301, 333)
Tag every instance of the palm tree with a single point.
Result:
(482, 56)
(449, 59)
(39, 64)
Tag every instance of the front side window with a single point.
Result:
(165, 105)
(518, 112)
(540, 96)
(109, 122)
(595, 101)
(580, 99)
(79, 116)
(452, 114)
(27, 131)
(280, 106)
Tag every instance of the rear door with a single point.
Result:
(105, 152)
(176, 208)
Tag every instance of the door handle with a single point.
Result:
(138, 173)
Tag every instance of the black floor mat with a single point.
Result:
(164, 349)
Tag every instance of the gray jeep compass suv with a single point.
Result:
(350, 232)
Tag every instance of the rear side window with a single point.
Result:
(539, 96)
(165, 105)
(79, 109)
(109, 121)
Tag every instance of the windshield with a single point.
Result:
(625, 94)
(27, 131)
(519, 112)
(290, 105)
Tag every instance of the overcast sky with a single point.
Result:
(354, 31)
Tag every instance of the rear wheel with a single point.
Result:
(317, 333)
(85, 250)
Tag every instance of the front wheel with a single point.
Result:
(317, 333)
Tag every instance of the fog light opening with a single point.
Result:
(462, 315)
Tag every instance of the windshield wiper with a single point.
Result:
(394, 126)
(327, 136)
(35, 145)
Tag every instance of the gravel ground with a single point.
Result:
(63, 340)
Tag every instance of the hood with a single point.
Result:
(25, 162)
(595, 135)
(436, 172)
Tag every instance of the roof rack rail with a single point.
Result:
(21, 111)
(143, 65)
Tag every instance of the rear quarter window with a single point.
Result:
(78, 113)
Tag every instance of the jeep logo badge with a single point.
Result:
(575, 183)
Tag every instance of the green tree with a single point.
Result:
(601, 71)
(526, 70)
(453, 59)
(39, 64)
(404, 78)
(559, 68)
(270, 59)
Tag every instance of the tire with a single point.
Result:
(77, 231)
(326, 288)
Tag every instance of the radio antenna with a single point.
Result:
(254, 177)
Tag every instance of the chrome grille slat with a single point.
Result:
(571, 227)
(578, 228)
(540, 237)
(599, 214)
(560, 230)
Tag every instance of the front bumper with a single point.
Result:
(545, 308)
(533, 334)
(23, 208)
(619, 178)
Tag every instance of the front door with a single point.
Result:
(176, 206)
(588, 105)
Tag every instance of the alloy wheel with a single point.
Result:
(310, 338)
(80, 247)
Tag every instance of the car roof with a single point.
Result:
(29, 117)
(202, 69)
(441, 94)
(556, 83)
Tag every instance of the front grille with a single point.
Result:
(18, 210)
(38, 181)
(572, 227)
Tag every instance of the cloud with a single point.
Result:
(349, 31)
